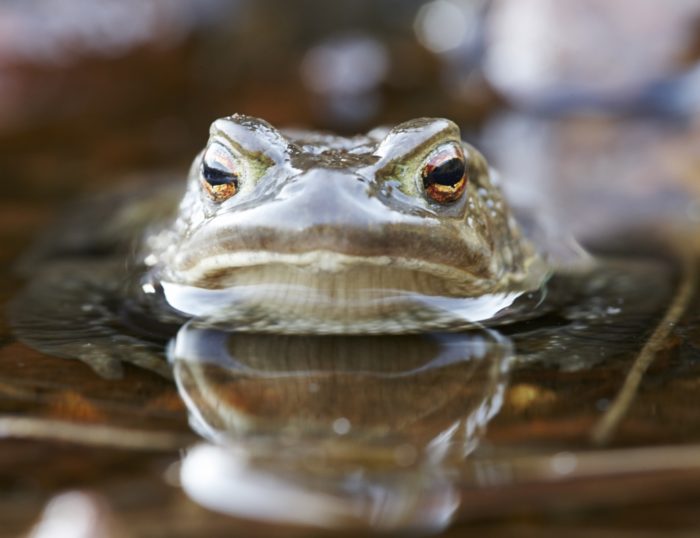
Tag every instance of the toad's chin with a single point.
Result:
(341, 275)
(378, 297)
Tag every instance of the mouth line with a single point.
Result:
(221, 270)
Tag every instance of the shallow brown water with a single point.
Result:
(537, 469)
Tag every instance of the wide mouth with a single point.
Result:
(210, 256)
(334, 273)
(342, 296)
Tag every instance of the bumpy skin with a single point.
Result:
(332, 234)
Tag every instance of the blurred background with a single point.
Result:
(589, 103)
(590, 110)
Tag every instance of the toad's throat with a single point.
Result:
(335, 274)
(299, 294)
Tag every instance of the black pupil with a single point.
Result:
(448, 173)
(216, 176)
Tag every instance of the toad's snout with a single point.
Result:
(323, 197)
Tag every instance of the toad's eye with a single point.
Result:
(219, 175)
(445, 174)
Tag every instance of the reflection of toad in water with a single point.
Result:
(335, 430)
